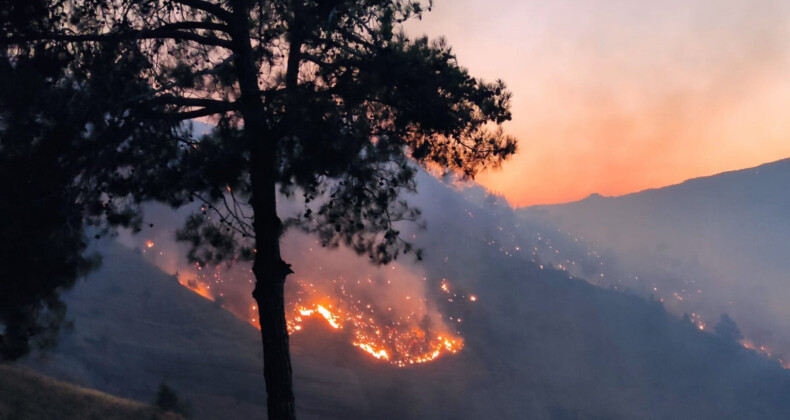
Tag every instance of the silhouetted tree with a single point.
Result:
(325, 101)
(728, 329)
(60, 156)
(167, 399)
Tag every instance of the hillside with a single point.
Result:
(707, 246)
(539, 343)
(26, 395)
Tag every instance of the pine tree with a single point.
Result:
(62, 156)
(728, 329)
(325, 102)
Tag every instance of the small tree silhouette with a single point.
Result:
(728, 329)
(167, 399)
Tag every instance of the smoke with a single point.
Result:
(703, 248)
(700, 257)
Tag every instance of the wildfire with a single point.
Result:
(405, 335)
(389, 323)
(400, 341)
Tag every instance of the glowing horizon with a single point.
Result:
(625, 96)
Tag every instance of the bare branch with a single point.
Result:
(244, 228)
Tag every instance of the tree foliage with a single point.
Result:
(366, 99)
(65, 161)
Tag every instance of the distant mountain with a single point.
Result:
(712, 245)
(539, 342)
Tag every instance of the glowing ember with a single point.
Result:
(149, 244)
(445, 287)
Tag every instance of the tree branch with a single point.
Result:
(209, 26)
(123, 36)
(188, 115)
(201, 102)
(211, 8)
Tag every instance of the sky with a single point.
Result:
(618, 96)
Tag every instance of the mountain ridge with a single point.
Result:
(783, 163)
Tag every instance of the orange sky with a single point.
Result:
(618, 96)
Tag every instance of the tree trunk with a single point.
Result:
(269, 268)
(270, 272)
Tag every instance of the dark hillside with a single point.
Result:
(538, 344)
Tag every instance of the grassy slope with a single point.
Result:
(28, 395)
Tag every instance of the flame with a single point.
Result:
(378, 354)
(331, 319)
(149, 244)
